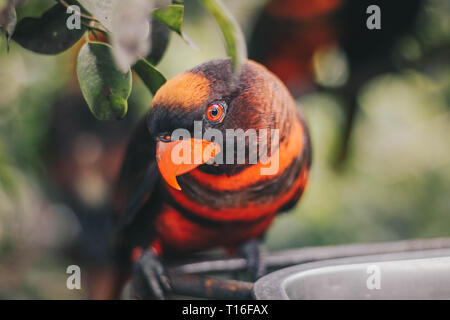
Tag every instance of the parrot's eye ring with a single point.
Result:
(215, 113)
(165, 137)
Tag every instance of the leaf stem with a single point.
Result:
(90, 28)
(234, 38)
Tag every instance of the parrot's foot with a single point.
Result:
(252, 252)
(149, 279)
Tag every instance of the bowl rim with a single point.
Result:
(273, 285)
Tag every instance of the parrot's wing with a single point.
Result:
(138, 176)
(138, 195)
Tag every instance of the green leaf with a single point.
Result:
(152, 78)
(48, 34)
(172, 16)
(232, 33)
(102, 10)
(104, 87)
(160, 36)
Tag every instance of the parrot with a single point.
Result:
(164, 209)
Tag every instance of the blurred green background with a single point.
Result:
(395, 183)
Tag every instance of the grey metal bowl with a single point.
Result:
(412, 275)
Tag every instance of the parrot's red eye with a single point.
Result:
(215, 113)
(165, 137)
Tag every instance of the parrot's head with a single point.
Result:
(194, 111)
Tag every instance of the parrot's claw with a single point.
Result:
(149, 280)
(252, 252)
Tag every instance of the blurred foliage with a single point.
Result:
(396, 184)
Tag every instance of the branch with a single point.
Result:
(210, 288)
(285, 258)
(93, 28)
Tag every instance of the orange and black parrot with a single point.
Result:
(164, 209)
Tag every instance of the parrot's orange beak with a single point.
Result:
(178, 157)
